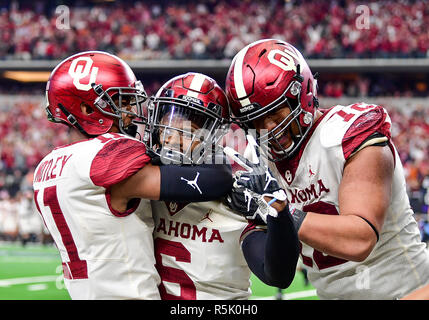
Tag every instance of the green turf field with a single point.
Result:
(34, 273)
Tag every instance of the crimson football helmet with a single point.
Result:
(267, 75)
(187, 118)
(103, 82)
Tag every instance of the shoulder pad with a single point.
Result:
(338, 121)
(331, 127)
(117, 160)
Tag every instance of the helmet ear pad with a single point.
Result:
(86, 109)
(309, 101)
(91, 121)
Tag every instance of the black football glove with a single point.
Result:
(253, 184)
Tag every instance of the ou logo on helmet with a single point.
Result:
(78, 72)
(283, 59)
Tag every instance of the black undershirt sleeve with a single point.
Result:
(273, 255)
(195, 183)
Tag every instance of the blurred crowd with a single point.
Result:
(211, 29)
(19, 220)
(26, 136)
(410, 135)
(207, 29)
(374, 85)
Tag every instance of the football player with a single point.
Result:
(197, 245)
(87, 191)
(342, 174)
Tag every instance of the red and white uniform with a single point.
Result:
(399, 263)
(198, 253)
(105, 254)
(9, 216)
(28, 219)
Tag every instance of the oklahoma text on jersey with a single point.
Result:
(310, 193)
(188, 231)
(399, 262)
(198, 253)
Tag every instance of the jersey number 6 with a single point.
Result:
(173, 275)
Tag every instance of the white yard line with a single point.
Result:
(292, 295)
(37, 287)
(299, 294)
(39, 279)
(14, 281)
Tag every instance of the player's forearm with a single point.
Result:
(195, 183)
(175, 183)
(282, 250)
(272, 256)
(344, 236)
(419, 294)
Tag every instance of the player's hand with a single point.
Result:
(254, 186)
(256, 176)
(255, 207)
(250, 205)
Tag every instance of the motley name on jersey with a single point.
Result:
(51, 169)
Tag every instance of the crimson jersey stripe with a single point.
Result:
(367, 124)
(75, 268)
(118, 160)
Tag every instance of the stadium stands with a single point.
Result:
(139, 31)
(215, 29)
(28, 138)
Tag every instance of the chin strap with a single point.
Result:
(72, 120)
(131, 130)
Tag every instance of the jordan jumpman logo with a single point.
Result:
(268, 179)
(193, 183)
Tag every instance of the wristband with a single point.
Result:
(272, 201)
(298, 217)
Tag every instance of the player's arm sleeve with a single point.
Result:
(118, 160)
(273, 255)
(195, 183)
(370, 129)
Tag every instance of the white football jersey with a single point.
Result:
(399, 263)
(29, 219)
(105, 254)
(198, 253)
(9, 211)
